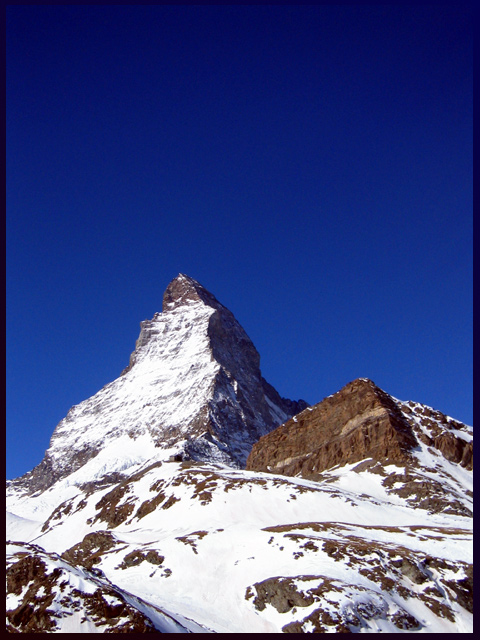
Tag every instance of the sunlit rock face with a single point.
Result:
(409, 444)
(358, 422)
(193, 389)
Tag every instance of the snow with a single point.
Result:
(18, 528)
(210, 575)
(155, 392)
(146, 413)
(277, 413)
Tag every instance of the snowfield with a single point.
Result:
(197, 541)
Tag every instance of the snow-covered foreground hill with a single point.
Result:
(202, 547)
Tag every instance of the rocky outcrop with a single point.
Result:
(184, 290)
(455, 449)
(360, 421)
(45, 594)
(406, 443)
(451, 438)
(88, 552)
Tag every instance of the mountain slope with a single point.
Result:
(46, 593)
(419, 452)
(243, 551)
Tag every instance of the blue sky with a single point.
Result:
(309, 165)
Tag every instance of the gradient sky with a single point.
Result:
(310, 165)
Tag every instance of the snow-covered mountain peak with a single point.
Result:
(193, 388)
(354, 515)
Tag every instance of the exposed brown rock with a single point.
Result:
(89, 551)
(293, 593)
(113, 510)
(192, 539)
(136, 557)
(281, 593)
(444, 433)
(455, 449)
(360, 421)
(425, 493)
(149, 505)
(183, 290)
(42, 590)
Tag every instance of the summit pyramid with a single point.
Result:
(192, 390)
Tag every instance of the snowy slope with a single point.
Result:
(240, 551)
(71, 599)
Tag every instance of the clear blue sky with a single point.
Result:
(309, 165)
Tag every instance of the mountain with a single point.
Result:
(193, 389)
(361, 423)
(187, 496)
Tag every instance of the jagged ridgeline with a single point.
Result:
(188, 496)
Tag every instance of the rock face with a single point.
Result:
(193, 389)
(443, 434)
(362, 423)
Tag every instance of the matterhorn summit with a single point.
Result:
(192, 390)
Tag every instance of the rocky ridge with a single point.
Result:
(407, 443)
(358, 422)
